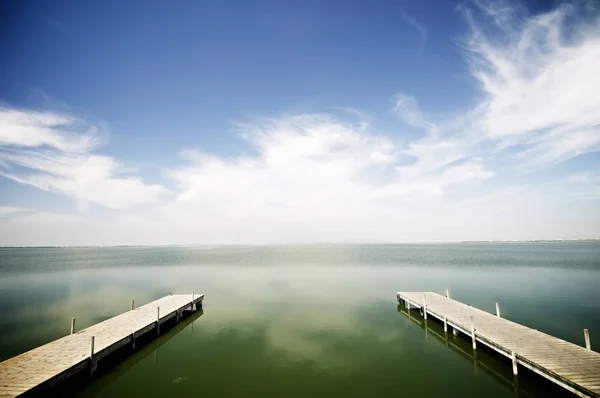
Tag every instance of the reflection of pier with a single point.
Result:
(44, 367)
(436, 331)
(574, 368)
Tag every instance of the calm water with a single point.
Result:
(301, 321)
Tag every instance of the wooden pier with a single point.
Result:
(43, 367)
(574, 368)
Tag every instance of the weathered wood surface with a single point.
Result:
(574, 368)
(60, 359)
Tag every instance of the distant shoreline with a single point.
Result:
(590, 240)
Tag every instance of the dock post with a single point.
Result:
(193, 306)
(454, 332)
(513, 358)
(424, 308)
(72, 325)
(157, 320)
(92, 362)
(588, 343)
(445, 325)
(133, 340)
(473, 332)
(447, 294)
(498, 310)
(132, 304)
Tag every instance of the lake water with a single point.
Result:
(298, 321)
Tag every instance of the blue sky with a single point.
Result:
(294, 122)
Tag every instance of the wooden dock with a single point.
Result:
(43, 367)
(574, 368)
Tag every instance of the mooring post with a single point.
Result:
(424, 308)
(92, 362)
(72, 325)
(445, 325)
(132, 304)
(588, 343)
(498, 310)
(447, 294)
(192, 306)
(513, 358)
(473, 332)
(454, 332)
(157, 320)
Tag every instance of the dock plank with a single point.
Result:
(68, 355)
(574, 368)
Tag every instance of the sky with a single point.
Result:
(285, 122)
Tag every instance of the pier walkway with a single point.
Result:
(43, 367)
(575, 368)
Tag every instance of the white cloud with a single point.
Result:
(539, 75)
(583, 184)
(54, 152)
(6, 211)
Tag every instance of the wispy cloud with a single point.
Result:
(539, 77)
(6, 211)
(419, 27)
(55, 152)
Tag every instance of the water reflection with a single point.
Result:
(319, 322)
(494, 365)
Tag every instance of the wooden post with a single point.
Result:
(473, 333)
(72, 325)
(92, 362)
(192, 307)
(445, 325)
(157, 320)
(447, 294)
(498, 310)
(424, 308)
(132, 304)
(454, 332)
(513, 358)
(133, 340)
(588, 343)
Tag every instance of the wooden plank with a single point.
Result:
(62, 358)
(574, 368)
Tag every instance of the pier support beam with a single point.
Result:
(498, 310)
(473, 333)
(72, 325)
(513, 358)
(424, 308)
(445, 325)
(157, 320)
(92, 360)
(588, 343)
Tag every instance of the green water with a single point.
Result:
(316, 321)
